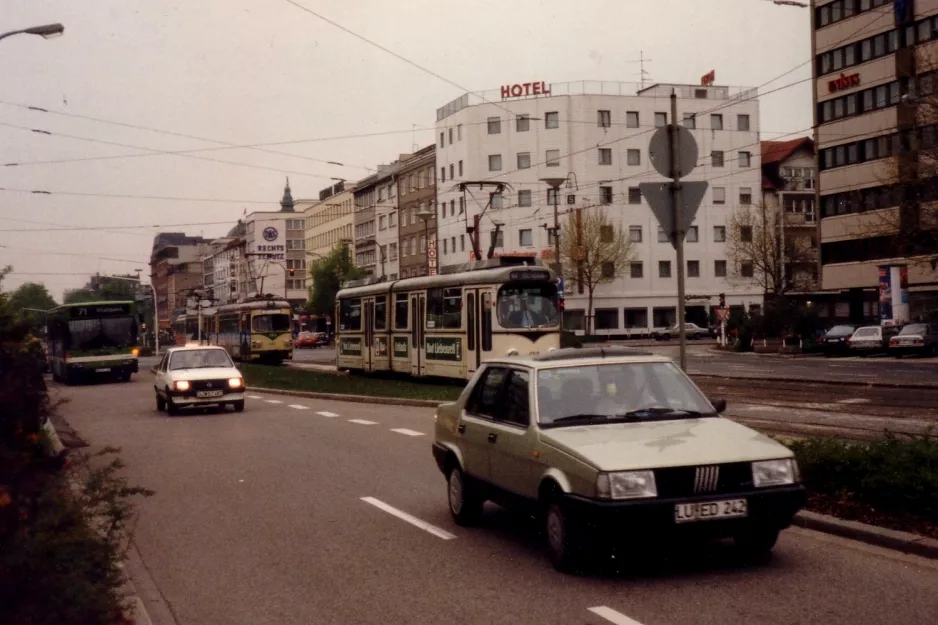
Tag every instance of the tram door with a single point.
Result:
(368, 340)
(418, 353)
(473, 299)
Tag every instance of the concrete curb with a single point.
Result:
(905, 385)
(869, 534)
(358, 399)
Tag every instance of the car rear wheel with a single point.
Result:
(756, 542)
(564, 542)
(464, 504)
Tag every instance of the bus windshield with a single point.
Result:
(528, 305)
(276, 322)
(110, 332)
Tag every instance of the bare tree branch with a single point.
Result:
(755, 252)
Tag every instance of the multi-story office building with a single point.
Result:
(329, 222)
(226, 278)
(416, 190)
(597, 136)
(874, 71)
(175, 269)
(376, 198)
(788, 198)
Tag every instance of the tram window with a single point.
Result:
(400, 311)
(444, 308)
(381, 312)
(350, 314)
(527, 305)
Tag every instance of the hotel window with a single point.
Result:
(661, 119)
(522, 123)
(524, 197)
(495, 125)
(604, 119)
(552, 158)
(495, 162)
(631, 119)
(524, 160)
(552, 120)
(633, 157)
(605, 156)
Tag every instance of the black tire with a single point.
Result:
(756, 543)
(565, 546)
(464, 503)
(160, 403)
(171, 408)
(238, 406)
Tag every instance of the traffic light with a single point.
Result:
(292, 272)
(722, 300)
(143, 325)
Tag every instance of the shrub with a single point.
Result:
(891, 474)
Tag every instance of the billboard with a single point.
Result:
(893, 294)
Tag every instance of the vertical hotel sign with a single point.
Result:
(893, 294)
(431, 255)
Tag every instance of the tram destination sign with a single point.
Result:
(444, 349)
(400, 347)
(350, 347)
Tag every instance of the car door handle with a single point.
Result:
(461, 428)
(493, 437)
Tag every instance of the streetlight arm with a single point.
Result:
(45, 31)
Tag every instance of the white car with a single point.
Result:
(197, 376)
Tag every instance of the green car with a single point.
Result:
(605, 444)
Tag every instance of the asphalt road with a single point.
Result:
(259, 518)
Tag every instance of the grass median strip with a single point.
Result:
(288, 378)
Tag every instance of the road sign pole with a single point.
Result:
(678, 227)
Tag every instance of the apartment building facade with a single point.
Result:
(175, 268)
(596, 135)
(875, 64)
(376, 198)
(416, 190)
(329, 222)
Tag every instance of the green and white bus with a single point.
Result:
(93, 340)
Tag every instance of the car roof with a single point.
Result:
(193, 348)
(582, 356)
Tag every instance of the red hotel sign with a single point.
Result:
(844, 82)
(525, 88)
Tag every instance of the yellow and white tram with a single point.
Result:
(447, 325)
(259, 330)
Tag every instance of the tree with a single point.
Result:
(31, 295)
(328, 275)
(755, 252)
(106, 290)
(593, 252)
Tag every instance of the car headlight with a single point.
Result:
(235, 382)
(181, 385)
(135, 352)
(626, 485)
(774, 472)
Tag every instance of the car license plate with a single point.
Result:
(103, 370)
(706, 510)
(209, 393)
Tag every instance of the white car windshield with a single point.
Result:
(199, 359)
(617, 392)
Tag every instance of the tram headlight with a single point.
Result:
(512, 351)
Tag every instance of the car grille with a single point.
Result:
(208, 385)
(713, 479)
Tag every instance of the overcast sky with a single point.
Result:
(246, 72)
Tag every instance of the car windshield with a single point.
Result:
(528, 306)
(199, 359)
(648, 391)
(840, 330)
(275, 322)
(110, 332)
(915, 328)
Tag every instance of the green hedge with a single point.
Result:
(891, 475)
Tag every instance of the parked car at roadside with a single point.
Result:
(322, 339)
(915, 338)
(608, 446)
(691, 330)
(871, 339)
(305, 340)
(834, 340)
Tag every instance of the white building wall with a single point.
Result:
(577, 138)
(272, 270)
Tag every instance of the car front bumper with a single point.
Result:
(188, 398)
(624, 521)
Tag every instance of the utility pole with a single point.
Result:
(678, 226)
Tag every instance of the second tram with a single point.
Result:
(447, 325)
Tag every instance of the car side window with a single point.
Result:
(516, 400)
(484, 401)
(163, 362)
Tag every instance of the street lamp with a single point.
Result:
(425, 215)
(47, 31)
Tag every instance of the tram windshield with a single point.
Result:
(528, 305)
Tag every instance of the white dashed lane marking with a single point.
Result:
(331, 415)
(613, 616)
(363, 422)
(273, 401)
(432, 529)
(299, 407)
(254, 397)
(407, 432)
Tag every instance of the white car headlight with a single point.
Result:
(626, 485)
(182, 385)
(774, 472)
(235, 382)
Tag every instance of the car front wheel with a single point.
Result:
(564, 545)
(464, 504)
(160, 403)
(238, 406)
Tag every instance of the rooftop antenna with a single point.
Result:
(641, 68)
(413, 137)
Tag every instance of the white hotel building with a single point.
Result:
(599, 132)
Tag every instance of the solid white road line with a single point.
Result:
(855, 400)
(254, 397)
(612, 616)
(273, 401)
(331, 415)
(407, 432)
(432, 529)
(299, 407)
(363, 422)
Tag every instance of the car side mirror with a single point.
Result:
(719, 405)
